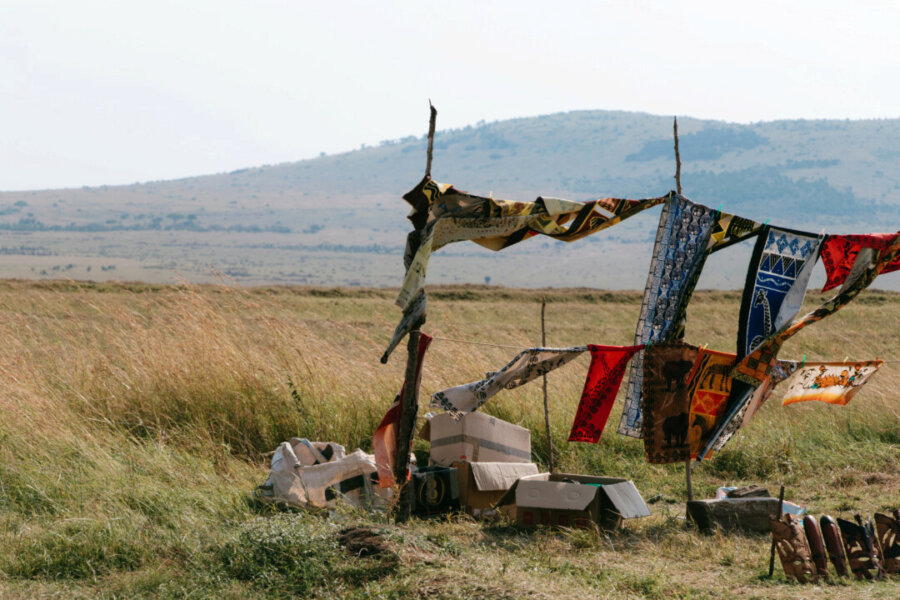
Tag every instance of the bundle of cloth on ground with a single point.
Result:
(316, 475)
(698, 398)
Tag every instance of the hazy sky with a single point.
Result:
(117, 92)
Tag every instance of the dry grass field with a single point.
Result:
(136, 421)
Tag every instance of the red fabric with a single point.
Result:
(600, 388)
(384, 440)
(839, 252)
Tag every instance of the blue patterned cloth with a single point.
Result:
(682, 241)
(776, 284)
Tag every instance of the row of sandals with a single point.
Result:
(870, 550)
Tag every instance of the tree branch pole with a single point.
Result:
(432, 122)
(546, 405)
(409, 408)
(677, 158)
(687, 464)
(409, 401)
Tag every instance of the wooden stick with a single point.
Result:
(677, 159)
(409, 407)
(687, 463)
(690, 484)
(546, 406)
(432, 122)
(772, 551)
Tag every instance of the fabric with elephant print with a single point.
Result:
(600, 387)
(524, 367)
(831, 382)
(840, 251)
(667, 401)
(686, 235)
(708, 388)
(776, 284)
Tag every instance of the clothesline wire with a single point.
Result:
(475, 343)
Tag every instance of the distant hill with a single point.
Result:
(339, 219)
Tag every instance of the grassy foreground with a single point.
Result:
(135, 422)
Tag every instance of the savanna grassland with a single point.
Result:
(135, 422)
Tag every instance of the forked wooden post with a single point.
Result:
(408, 410)
(409, 402)
(546, 406)
(687, 464)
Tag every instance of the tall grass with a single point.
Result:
(136, 419)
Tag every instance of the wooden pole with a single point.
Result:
(687, 464)
(409, 401)
(546, 405)
(432, 122)
(409, 408)
(778, 516)
(677, 158)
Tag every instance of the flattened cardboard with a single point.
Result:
(482, 484)
(562, 499)
(477, 437)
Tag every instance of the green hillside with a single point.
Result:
(339, 219)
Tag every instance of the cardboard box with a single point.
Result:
(482, 484)
(477, 437)
(435, 491)
(565, 500)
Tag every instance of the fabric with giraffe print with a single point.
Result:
(776, 284)
(600, 387)
(831, 382)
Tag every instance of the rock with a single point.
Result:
(750, 491)
(747, 514)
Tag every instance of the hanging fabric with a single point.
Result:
(840, 251)
(831, 382)
(708, 388)
(781, 370)
(442, 215)
(667, 401)
(753, 369)
(384, 440)
(600, 388)
(777, 279)
(524, 367)
(686, 235)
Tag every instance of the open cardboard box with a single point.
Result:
(482, 484)
(566, 500)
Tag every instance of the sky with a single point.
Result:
(118, 92)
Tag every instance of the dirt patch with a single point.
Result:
(366, 542)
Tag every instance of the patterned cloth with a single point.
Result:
(781, 370)
(686, 235)
(776, 284)
(753, 370)
(840, 251)
(832, 382)
(667, 401)
(442, 215)
(524, 367)
(384, 440)
(600, 387)
(709, 386)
